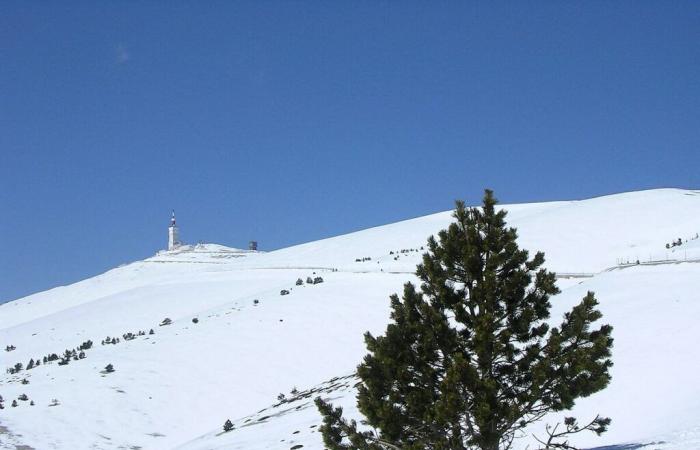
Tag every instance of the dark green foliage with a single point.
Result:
(228, 425)
(335, 430)
(470, 360)
(109, 368)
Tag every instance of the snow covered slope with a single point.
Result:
(175, 388)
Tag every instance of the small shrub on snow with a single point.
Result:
(228, 425)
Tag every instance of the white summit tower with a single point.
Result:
(173, 235)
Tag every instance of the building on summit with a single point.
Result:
(173, 234)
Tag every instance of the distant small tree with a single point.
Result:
(281, 398)
(195, 320)
(109, 368)
(309, 280)
(166, 321)
(14, 403)
(151, 331)
(228, 425)
(299, 282)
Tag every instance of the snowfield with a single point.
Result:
(176, 387)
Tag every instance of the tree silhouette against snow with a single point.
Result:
(469, 361)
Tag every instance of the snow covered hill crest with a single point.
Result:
(203, 334)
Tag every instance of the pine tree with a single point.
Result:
(470, 360)
(228, 425)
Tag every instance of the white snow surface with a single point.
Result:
(175, 388)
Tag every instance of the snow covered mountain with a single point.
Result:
(174, 388)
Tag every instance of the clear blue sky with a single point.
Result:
(292, 121)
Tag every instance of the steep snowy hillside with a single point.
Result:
(174, 388)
